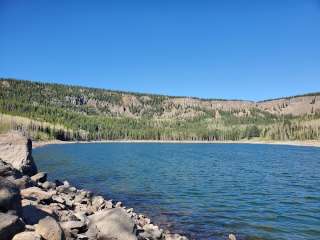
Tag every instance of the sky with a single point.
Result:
(233, 49)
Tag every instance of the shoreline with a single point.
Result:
(305, 143)
(33, 207)
(77, 212)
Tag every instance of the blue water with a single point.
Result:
(205, 191)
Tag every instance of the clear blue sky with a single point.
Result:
(214, 49)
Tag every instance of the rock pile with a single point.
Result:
(32, 208)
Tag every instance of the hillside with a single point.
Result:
(48, 111)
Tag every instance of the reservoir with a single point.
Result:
(204, 191)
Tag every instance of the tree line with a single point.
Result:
(60, 112)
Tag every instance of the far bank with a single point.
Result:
(306, 143)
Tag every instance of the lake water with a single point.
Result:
(205, 191)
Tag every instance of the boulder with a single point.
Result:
(97, 203)
(49, 229)
(151, 232)
(10, 198)
(81, 216)
(23, 182)
(232, 237)
(66, 215)
(40, 177)
(70, 225)
(172, 236)
(10, 225)
(58, 199)
(26, 236)
(16, 150)
(82, 237)
(36, 193)
(30, 228)
(83, 208)
(119, 205)
(80, 198)
(72, 189)
(66, 183)
(109, 204)
(7, 170)
(32, 214)
(143, 220)
(111, 224)
(64, 189)
(72, 228)
(48, 185)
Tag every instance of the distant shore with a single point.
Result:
(306, 143)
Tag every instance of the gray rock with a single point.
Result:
(48, 185)
(130, 210)
(83, 208)
(66, 215)
(32, 214)
(26, 236)
(64, 189)
(72, 189)
(82, 237)
(81, 216)
(10, 198)
(143, 220)
(97, 203)
(30, 228)
(232, 237)
(58, 199)
(66, 184)
(49, 229)
(57, 206)
(40, 177)
(7, 170)
(16, 150)
(171, 236)
(73, 225)
(151, 232)
(23, 182)
(88, 193)
(80, 198)
(111, 224)
(36, 193)
(109, 204)
(69, 203)
(10, 225)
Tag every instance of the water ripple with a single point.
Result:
(203, 191)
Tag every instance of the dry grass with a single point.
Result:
(27, 126)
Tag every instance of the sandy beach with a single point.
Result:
(306, 143)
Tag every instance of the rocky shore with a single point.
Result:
(33, 208)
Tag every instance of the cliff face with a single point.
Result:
(294, 105)
(78, 113)
(116, 103)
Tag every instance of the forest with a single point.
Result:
(54, 111)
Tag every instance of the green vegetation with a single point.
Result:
(55, 111)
